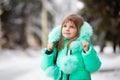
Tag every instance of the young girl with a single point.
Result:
(70, 54)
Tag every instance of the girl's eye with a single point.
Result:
(72, 27)
(64, 26)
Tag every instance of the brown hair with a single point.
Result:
(78, 21)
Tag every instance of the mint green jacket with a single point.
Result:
(77, 64)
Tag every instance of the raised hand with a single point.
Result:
(85, 45)
(50, 46)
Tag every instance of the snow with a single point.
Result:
(24, 65)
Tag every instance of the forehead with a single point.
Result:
(70, 22)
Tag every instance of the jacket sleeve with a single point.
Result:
(91, 60)
(47, 60)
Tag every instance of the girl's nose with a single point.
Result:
(67, 28)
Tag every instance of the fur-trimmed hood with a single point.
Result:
(86, 32)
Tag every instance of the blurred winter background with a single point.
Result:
(25, 25)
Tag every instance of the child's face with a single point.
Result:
(69, 30)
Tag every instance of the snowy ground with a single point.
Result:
(24, 65)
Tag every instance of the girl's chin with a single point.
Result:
(67, 36)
